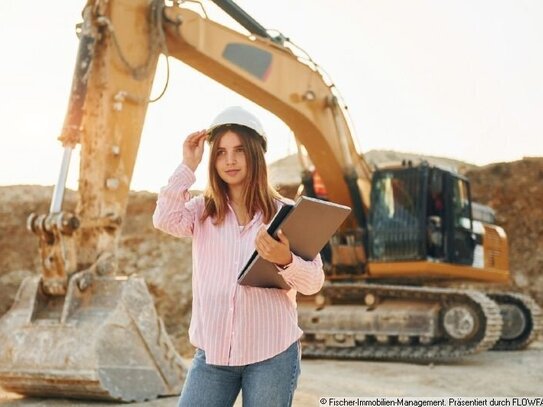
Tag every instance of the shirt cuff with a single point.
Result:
(288, 271)
(184, 175)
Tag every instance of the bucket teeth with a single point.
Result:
(106, 342)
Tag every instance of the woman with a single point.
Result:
(246, 337)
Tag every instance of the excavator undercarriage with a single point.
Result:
(416, 283)
(385, 322)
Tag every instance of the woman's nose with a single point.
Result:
(230, 157)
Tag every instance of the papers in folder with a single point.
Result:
(308, 225)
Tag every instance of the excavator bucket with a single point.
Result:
(102, 340)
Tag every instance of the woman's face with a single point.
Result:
(231, 163)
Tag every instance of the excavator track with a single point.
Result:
(522, 320)
(443, 348)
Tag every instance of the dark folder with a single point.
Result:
(308, 225)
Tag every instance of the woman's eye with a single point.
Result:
(239, 150)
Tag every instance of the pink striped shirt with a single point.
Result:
(235, 325)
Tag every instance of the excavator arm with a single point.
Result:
(112, 83)
(110, 93)
(272, 76)
(81, 329)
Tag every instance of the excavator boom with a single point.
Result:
(274, 77)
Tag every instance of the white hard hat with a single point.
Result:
(238, 115)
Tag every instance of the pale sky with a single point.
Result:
(455, 78)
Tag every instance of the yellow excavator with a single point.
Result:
(81, 329)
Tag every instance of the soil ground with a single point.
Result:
(498, 374)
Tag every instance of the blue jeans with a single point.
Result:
(269, 383)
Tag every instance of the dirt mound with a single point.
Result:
(285, 173)
(514, 190)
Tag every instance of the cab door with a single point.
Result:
(459, 236)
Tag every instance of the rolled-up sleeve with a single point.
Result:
(175, 211)
(304, 276)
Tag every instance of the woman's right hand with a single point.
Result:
(193, 149)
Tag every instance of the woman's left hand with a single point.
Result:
(274, 251)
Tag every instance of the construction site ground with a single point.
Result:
(489, 374)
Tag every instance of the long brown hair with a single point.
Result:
(258, 195)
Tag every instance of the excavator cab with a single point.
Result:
(418, 213)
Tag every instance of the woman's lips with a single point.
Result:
(232, 172)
